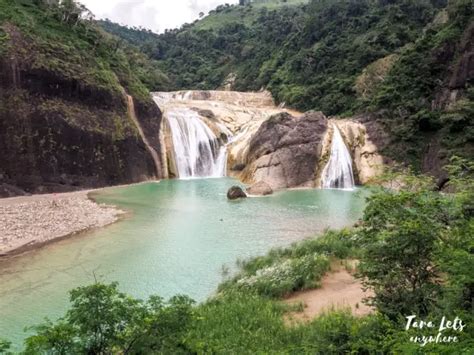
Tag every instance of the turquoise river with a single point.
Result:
(178, 238)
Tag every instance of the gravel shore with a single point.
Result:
(33, 220)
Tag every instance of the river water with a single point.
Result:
(177, 238)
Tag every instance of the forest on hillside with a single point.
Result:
(399, 62)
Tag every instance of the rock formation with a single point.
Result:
(236, 192)
(61, 132)
(360, 138)
(234, 117)
(269, 147)
(260, 188)
(285, 151)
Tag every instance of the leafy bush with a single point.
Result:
(104, 320)
(238, 323)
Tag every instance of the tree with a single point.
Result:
(103, 320)
(457, 258)
(400, 238)
(69, 11)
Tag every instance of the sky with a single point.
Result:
(156, 15)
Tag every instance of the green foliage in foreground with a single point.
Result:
(403, 276)
(416, 251)
(104, 320)
(298, 267)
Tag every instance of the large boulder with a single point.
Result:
(285, 150)
(236, 192)
(260, 188)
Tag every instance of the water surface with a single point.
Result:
(177, 239)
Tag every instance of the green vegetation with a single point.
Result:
(308, 55)
(413, 94)
(300, 267)
(225, 15)
(60, 41)
(63, 110)
(398, 61)
(415, 248)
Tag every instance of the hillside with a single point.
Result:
(65, 119)
(402, 63)
(64, 116)
(226, 15)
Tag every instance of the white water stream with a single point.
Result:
(197, 151)
(338, 171)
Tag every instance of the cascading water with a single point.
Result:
(197, 151)
(338, 171)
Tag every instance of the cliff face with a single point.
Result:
(65, 121)
(49, 143)
(364, 139)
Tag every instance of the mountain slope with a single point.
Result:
(63, 112)
(406, 64)
(427, 98)
(307, 55)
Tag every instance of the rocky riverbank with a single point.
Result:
(29, 221)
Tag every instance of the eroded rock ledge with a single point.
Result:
(275, 146)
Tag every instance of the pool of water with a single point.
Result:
(178, 237)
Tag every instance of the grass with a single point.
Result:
(298, 267)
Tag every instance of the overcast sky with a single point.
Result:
(156, 15)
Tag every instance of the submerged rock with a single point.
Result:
(260, 188)
(236, 192)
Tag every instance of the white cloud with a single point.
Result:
(152, 14)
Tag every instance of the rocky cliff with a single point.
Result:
(272, 146)
(365, 140)
(286, 150)
(234, 117)
(49, 143)
(65, 120)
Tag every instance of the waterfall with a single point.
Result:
(338, 171)
(197, 151)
